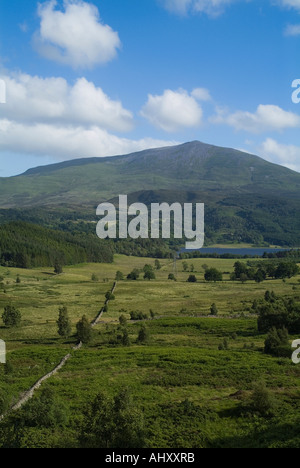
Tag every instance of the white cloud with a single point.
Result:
(201, 94)
(290, 3)
(173, 110)
(286, 155)
(209, 7)
(48, 117)
(292, 30)
(266, 118)
(46, 100)
(63, 142)
(75, 36)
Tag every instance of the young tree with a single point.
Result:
(63, 323)
(58, 269)
(123, 320)
(119, 276)
(157, 264)
(144, 335)
(214, 310)
(11, 316)
(84, 332)
(125, 340)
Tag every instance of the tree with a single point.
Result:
(214, 310)
(149, 275)
(213, 275)
(113, 423)
(119, 276)
(277, 343)
(84, 332)
(95, 278)
(63, 323)
(11, 316)
(134, 275)
(172, 277)
(58, 269)
(157, 264)
(259, 276)
(124, 337)
(123, 320)
(185, 266)
(144, 335)
(192, 279)
(109, 296)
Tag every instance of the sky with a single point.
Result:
(108, 77)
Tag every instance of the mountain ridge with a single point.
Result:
(247, 199)
(190, 166)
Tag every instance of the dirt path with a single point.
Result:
(29, 393)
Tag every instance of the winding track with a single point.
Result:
(29, 393)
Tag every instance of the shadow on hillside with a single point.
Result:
(274, 436)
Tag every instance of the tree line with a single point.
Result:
(24, 245)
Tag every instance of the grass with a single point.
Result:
(181, 362)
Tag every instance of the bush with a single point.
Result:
(277, 343)
(11, 316)
(213, 275)
(192, 279)
(138, 315)
(262, 400)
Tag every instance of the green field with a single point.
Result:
(181, 363)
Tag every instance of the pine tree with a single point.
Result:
(84, 332)
(63, 323)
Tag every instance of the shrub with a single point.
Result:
(192, 279)
(11, 316)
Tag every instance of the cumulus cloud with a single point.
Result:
(266, 118)
(173, 110)
(68, 142)
(36, 99)
(49, 117)
(209, 7)
(75, 36)
(286, 155)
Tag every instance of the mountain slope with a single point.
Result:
(191, 166)
(246, 198)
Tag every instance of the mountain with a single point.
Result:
(247, 198)
(191, 166)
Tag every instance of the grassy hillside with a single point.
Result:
(192, 394)
(247, 199)
(191, 166)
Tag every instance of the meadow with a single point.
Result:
(193, 391)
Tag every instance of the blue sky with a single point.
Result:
(107, 77)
